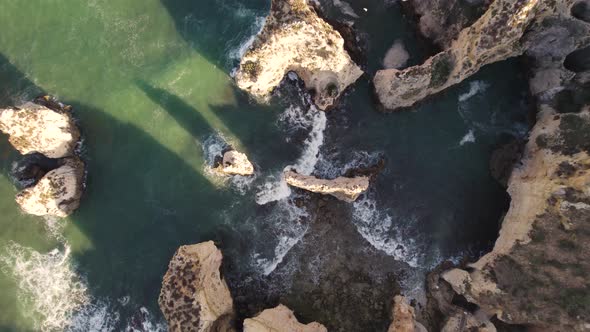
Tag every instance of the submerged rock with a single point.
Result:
(235, 163)
(397, 56)
(404, 319)
(194, 297)
(536, 273)
(58, 193)
(346, 189)
(36, 128)
(508, 28)
(296, 39)
(279, 319)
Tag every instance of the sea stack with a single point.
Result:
(235, 163)
(404, 318)
(296, 39)
(280, 319)
(194, 297)
(343, 188)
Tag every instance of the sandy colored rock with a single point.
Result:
(465, 321)
(235, 163)
(404, 318)
(279, 319)
(58, 193)
(194, 297)
(36, 128)
(505, 30)
(346, 189)
(295, 39)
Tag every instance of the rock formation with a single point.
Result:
(194, 297)
(537, 272)
(58, 193)
(235, 163)
(508, 28)
(279, 319)
(295, 39)
(404, 319)
(36, 128)
(346, 189)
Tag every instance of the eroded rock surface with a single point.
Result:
(508, 28)
(295, 39)
(346, 189)
(279, 319)
(404, 318)
(36, 128)
(537, 272)
(58, 192)
(194, 297)
(235, 163)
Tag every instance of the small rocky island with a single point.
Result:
(45, 127)
(343, 188)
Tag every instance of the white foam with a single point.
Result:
(475, 88)
(468, 138)
(378, 229)
(345, 8)
(237, 52)
(146, 323)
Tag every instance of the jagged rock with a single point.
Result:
(404, 319)
(279, 319)
(58, 193)
(508, 28)
(346, 189)
(536, 273)
(235, 163)
(464, 321)
(36, 128)
(295, 39)
(194, 297)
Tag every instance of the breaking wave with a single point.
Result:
(475, 88)
(468, 138)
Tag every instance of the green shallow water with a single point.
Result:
(150, 84)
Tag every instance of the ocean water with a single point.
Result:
(151, 86)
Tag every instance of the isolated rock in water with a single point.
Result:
(235, 163)
(536, 275)
(295, 39)
(501, 33)
(279, 319)
(194, 297)
(396, 56)
(58, 193)
(36, 128)
(404, 319)
(346, 189)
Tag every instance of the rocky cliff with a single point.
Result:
(343, 188)
(194, 297)
(508, 28)
(296, 39)
(404, 318)
(36, 128)
(279, 319)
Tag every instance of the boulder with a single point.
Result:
(404, 318)
(58, 192)
(279, 319)
(346, 189)
(36, 128)
(194, 297)
(235, 163)
(296, 39)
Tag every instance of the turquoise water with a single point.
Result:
(151, 86)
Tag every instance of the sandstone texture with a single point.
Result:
(404, 318)
(536, 274)
(194, 297)
(58, 192)
(279, 319)
(509, 28)
(36, 128)
(296, 39)
(346, 189)
(235, 163)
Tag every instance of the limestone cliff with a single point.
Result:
(537, 272)
(235, 163)
(295, 39)
(404, 319)
(346, 189)
(508, 28)
(279, 319)
(58, 193)
(36, 128)
(194, 297)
